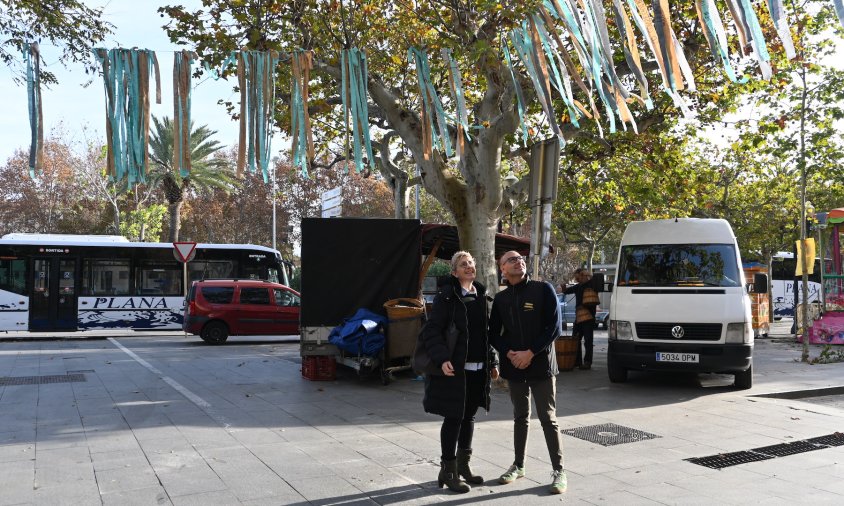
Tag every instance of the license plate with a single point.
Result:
(677, 357)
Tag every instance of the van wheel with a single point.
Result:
(616, 373)
(744, 379)
(215, 333)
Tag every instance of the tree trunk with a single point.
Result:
(116, 217)
(175, 209)
(400, 198)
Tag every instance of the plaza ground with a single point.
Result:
(163, 419)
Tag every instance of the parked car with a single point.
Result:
(567, 310)
(216, 309)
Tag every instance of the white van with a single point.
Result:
(680, 301)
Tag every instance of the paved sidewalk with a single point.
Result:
(154, 419)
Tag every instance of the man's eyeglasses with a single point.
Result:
(513, 260)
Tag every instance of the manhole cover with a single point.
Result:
(40, 380)
(608, 434)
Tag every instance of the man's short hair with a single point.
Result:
(582, 269)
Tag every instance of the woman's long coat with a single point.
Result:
(446, 395)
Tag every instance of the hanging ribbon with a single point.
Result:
(781, 25)
(435, 126)
(750, 34)
(456, 84)
(713, 31)
(839, 10)
(525, 41)
(355, 81)
(520, 99)
(32, 59)
(230, 60)
(631, 51)
(182, 61)
(256, 80)
(300, 120)
(561, 82)
(126, 80)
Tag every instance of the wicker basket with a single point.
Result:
(402, 308)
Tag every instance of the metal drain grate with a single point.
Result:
(769, 452)
(40, 380)
(786, 449)
(723, 460)
(834, 439)
(608, 434)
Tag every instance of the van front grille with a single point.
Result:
(691, 331)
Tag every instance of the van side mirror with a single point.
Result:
(608, 286)
(760, 283)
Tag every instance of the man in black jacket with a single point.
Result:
(523, 324)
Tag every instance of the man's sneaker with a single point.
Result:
(558, 482)
(512, 474)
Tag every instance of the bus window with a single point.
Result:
(158, 278)
(210, 269)
(105, 277)
(12, 275)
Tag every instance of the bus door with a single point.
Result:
(53, 304)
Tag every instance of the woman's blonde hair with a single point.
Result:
(455, 259)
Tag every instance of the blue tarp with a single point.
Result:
(361, 334)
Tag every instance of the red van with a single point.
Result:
(218, 308)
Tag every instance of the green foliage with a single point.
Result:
(68, 24)
(150, 219)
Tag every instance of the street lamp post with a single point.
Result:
(275, 188)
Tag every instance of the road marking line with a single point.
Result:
(199, 401)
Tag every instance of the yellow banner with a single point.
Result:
(810, 253)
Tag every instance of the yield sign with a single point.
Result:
(184, 251)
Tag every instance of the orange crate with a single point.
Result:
(319, 368)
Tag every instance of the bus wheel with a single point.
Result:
(616, 373)
(744, 379)
(215, 333)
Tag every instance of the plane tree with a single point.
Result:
(469, 186)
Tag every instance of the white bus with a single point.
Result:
(57, 282)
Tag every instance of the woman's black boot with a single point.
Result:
(448, 477)
(463, 469)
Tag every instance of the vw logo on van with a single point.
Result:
(677, 332)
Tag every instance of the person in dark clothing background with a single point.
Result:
(584, 323)
(462, 384)
(523, 324)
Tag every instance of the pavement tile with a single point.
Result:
(138, 497)
(119, 459)
(126, 479)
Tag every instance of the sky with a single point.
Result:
(81, 110)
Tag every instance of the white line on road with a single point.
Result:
(199, 401)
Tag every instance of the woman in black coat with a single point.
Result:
(462, 383)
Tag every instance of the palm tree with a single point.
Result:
(207, 172)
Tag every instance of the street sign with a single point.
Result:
(332, 212)
(332, 193)
(332, 202)
(184, 251)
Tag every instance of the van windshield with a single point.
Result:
(678, 265)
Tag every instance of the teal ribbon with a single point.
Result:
(431, 101)
(839, 10)
(520, 99)
(216, 74)
(459, 96)
(563, 85)
(354, 87)
(33, 95)
(297, 117)
(717, 37)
